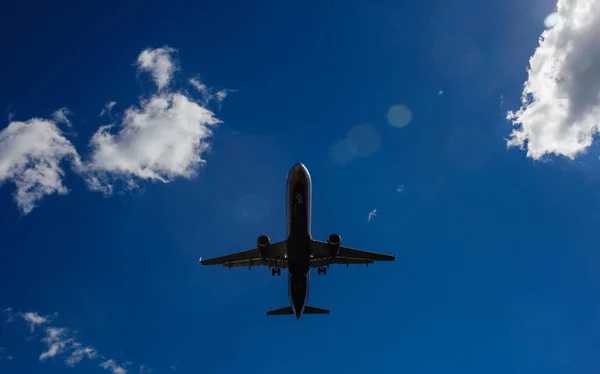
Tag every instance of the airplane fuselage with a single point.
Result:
(298, 202)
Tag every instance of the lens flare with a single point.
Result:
(399, 115)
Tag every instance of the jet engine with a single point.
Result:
(334, 241)
(262, 243)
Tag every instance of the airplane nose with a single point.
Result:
(299, 171)
(299, 167)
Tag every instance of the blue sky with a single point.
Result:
(397, 108)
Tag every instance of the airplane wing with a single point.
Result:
(274, 257)
(346, 255)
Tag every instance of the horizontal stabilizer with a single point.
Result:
(281, 311)
(313, 310)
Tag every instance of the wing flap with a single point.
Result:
(257, 262)
(315, 263)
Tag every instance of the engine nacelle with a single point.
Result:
(334, 242)
(262, 243)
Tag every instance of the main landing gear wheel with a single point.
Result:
(275, 271)
(322, 270)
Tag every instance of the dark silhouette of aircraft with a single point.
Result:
(299, 252)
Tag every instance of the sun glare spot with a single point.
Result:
(399, 116)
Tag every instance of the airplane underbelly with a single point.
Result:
(298, 292)
(298, 256)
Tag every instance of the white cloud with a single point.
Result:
(30, 156)
(113, 366)
(159, 64)
(107, 108)
(57, 341)
(33, 320)
(560, 112)
(80, 353)
(60, 340)
(372, 214)
(61, 116)
(162, 139)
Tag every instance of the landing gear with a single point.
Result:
(322, 270)
(275, 271)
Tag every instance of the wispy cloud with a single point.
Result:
(61, 342)
(145, 369)
(162, 138)
(61, 116)
(107, 109)
(560, 112)
(114, 367)
(33, 320)
(4, 355)
(372, 214)
(400, 188)
(9, 314)
(57, 341)
(209, 94)
(80, 353)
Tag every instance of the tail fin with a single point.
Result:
(313, 310)
(289, 310)
(280, 311)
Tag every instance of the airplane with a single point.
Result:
(299, 252)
